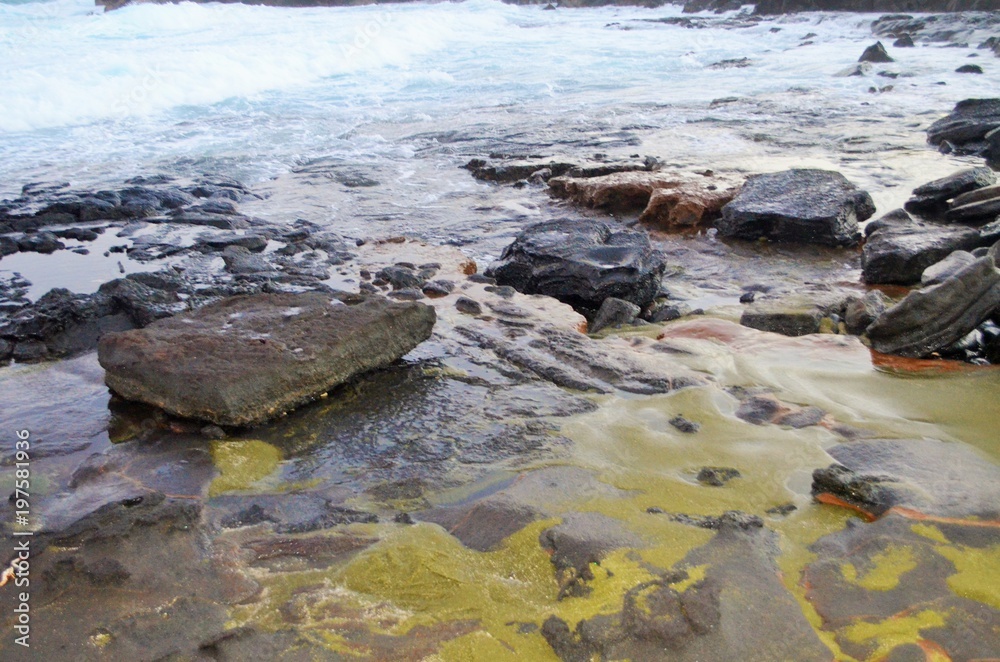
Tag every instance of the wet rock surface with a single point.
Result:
(805, 206)
(934, 318)
(665, 199)
(900, 248)
(927, 477)
(299, 346)
(581, 263)
(965, 128)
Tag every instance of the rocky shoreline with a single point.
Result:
(269, 440)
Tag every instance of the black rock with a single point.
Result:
(875, 53)
(254, 243)
(582, 263)
(969, 69)
(978, 211)
(40, 242)
(717, 476)
(468, 306)
(439, 288)
(904, 41)
(930, 320)
(614, 312)
(666, 314)
(992, 149)
(967, 125)
(8, 246)
(402, 277)
(933, 196)
(804, 206)
(79, 234)
(861, 312)
(684, 425)
(898, 251)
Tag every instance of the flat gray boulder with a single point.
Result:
(802, 206)
(247, 359)
(934, 318)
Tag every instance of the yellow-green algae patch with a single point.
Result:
(978, 576)
(893, 632)
(887, 567)
(241, 464)
(977, 570)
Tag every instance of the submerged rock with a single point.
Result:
(582, 263)
(930, 320)
(247, 359)
(805, 206)
(924, 475)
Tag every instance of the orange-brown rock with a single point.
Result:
(686, 205)
(665, 199)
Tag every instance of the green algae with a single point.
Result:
(887, 567)
(893, 632)
(421, 576)
(241, 464)
(978, 570)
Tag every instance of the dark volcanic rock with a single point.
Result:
(932, 319)
(806, 206)
(969, 69)
(246, 359)
(899, 251)
(904, 41)
(933, 196)
(875, 53)
(967, 125)
(582, 263)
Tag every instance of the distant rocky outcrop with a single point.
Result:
(770, 7)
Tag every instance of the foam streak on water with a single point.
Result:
(93, 97)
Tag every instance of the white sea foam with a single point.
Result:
(91, 95)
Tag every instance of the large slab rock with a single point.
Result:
(804, 206)
(967, 125)
(900, 248)
(932, 319)
(582, 263)
(250, 358)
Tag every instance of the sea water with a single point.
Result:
(92, 97)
